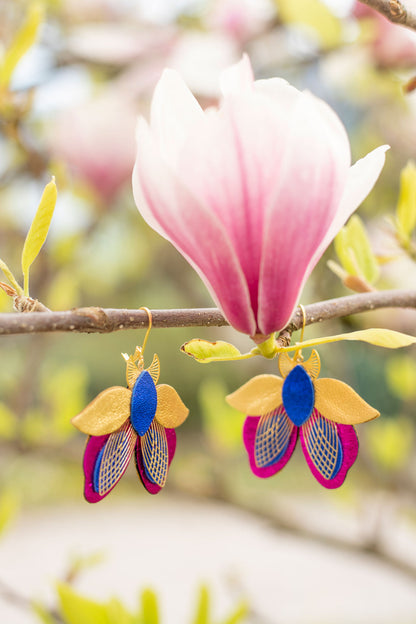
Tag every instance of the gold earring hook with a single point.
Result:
(149, 316)
(298, 353)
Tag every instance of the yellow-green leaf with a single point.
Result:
(204, 351)
(379, 337)
(150, 611)
(7, 272)
(314, 15)
(22, 42)
(76, 609)
(38, 230)
(406, 206)
(354, 251)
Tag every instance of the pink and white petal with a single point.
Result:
(184, 219)
(249, 439)
(311, 182)
(362, 177)
(347, 438)
(174, 112)
(233, 165)
(151, 487)
(238, 78)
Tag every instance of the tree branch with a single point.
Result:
(106, 320)
(396, 11)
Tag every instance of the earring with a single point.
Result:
(139, 420)
(321, 411)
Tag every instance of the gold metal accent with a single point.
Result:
(313, 364)
(260, 395)
(116, 457)
(155, 455)
(171, 412)
(285, 364)
(106, 413)
(321, 439)
(338, 402)
(154, 369)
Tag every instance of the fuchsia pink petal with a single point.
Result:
(151, 487)
(249, 436)
(349, 443)
(92, 450)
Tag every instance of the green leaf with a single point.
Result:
(387, 338)
(406, 206)
(354, 251)
(239, 615)
(23, 40)
(150, 612)
(203, 607)
(204, 351)
(7, 272)
(43, 613)
(118, 614)
(38, 230)
(401, 377)
(315, 16)
(79, 610)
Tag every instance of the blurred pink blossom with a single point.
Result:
(96, 141)
(240, 19)
(251, 193)
(391, 45)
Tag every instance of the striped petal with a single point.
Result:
(151, 487)
(280, 447)
(330, 449)
(105, 461)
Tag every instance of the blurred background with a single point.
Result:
(287, 549)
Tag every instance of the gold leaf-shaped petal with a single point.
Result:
(260, 395)
(313, 364)
(171, 411)
(106, 413)
(341, 404)
(154, 369)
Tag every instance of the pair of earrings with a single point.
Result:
(141, 420)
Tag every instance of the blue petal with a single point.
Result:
(143, 403)
(298, 395)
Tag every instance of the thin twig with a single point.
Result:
(396, 11)
(106, 320)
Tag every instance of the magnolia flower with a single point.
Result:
(251, 193)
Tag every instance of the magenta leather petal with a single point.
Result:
(349, 443)
(249, 436)
(151, 487)
(92, 450)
